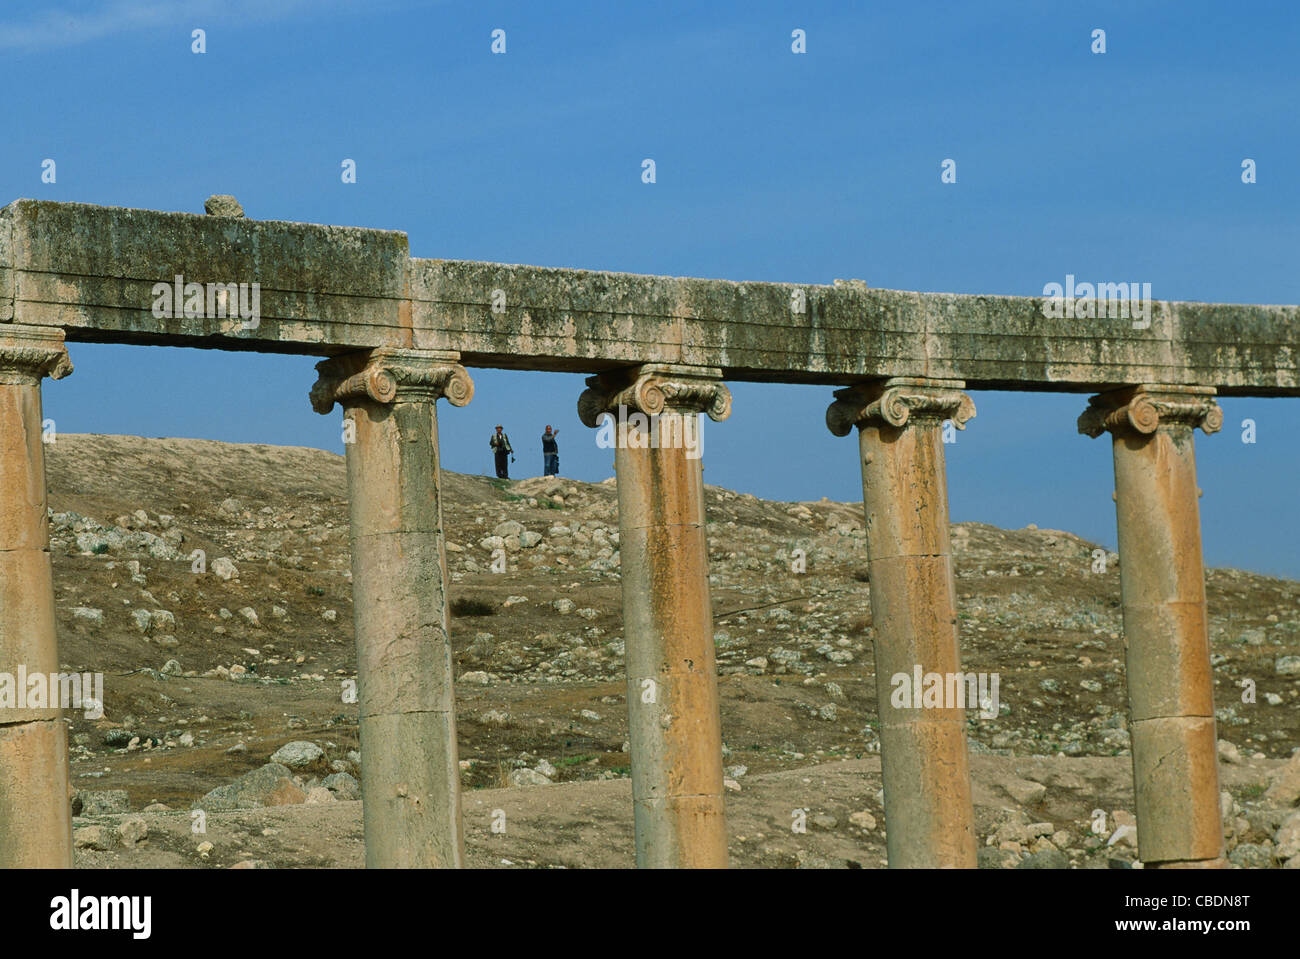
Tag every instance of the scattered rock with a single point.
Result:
(103, 802)
(1284, 788)
(132, 830)
(1287, 841)
(1024, 792)
(1229, 753)
(863, 820)
(100, 838)
(1048, 858)
(249, 791)
(285, 793)
(222, 204)
(298, 754)
(527, 777)
(224, 568)
(344, 786)
(1124, 836)
(990, 857)
(1248, 855)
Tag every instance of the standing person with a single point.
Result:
(500, 444)
(550, 453)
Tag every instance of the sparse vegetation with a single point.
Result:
(466, 606)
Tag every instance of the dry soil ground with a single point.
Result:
(209, 673)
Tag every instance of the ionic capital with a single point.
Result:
(384, 375)
(899, 401)
(30, 353)
(656, 388)
(1144, 409)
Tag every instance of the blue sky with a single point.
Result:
(770, 166)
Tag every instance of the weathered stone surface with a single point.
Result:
(335, 289)
(92, 270)
(674, 726)
(102, 802)
(222, 204)
(929, 814)
(35, 815)
(35, 819)
(1170, 678)
(399, 330)
(411, 779)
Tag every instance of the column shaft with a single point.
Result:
(410, 782)
(929, 817)
(35, 813)
(673, 717)
(1170, 679)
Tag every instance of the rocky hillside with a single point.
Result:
(207, 674)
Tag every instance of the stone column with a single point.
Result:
(35, 812)
(410, 778)
(672, 687)
(1166, 637)
(929, 818)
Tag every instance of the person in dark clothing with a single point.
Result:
(501, 447)
(550, 453)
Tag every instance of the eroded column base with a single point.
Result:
(929, 817)
(681, 832)
(410, 792)
(1175, 777)
(35, 811)
(1220, 863)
